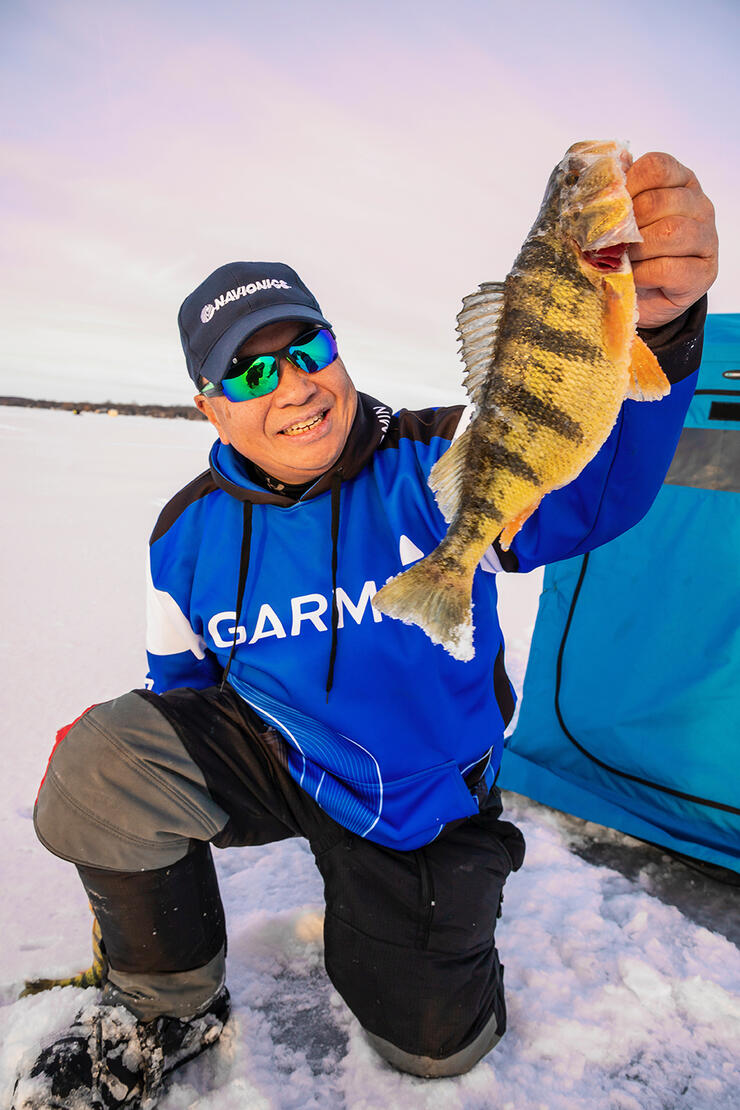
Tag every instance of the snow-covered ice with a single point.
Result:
(618, 999)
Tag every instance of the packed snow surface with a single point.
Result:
(618, 999)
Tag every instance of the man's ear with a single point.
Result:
(211, 413)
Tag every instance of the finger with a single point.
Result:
(673, 237)
(681, 280)
(657, 171)
(655, 308)
(653, 204)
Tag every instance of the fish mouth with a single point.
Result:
(607, 259)
(597, 209)
(600, 148)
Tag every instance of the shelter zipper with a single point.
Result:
(583, 749)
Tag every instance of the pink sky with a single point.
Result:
(394, 154)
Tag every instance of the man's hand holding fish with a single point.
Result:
(676, 262)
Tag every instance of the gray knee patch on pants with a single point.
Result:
(431, 1068)
(177, 993)
(122, 792)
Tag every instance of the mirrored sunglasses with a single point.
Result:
(257, 375)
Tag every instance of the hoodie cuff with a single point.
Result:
(678, 345)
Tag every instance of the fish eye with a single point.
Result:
(571, 178)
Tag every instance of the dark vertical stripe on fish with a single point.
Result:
(569, 344)
(523, 401)
(499, 457)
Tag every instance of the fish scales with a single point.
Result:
(550, 356)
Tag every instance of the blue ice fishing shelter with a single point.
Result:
(630, 715)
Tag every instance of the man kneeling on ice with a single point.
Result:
(280, 703)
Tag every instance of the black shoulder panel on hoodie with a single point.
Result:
(422, 425)
(193, 491)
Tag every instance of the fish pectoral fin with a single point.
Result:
(446, 477)
(511, 529)
(477, 326)
(647, 380)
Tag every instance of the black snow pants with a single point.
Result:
(138, 789)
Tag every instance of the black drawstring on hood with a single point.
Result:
(336, 483)
(243, 568)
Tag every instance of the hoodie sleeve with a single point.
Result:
(619, 485)
(177, 656)
(176, 651)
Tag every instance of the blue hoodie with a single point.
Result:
(384, 728)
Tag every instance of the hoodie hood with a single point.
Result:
(365, 436)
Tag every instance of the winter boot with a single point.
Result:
(108, 1058)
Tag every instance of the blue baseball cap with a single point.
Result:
(234, 302)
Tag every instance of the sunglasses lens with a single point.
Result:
(316, 353)
(259, 376)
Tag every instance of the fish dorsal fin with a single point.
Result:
(477, 326)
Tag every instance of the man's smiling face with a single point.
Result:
(299, 430)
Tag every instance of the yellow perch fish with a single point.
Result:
(550, 355)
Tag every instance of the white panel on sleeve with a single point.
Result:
(168, 630)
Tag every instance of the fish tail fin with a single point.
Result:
(436, 598)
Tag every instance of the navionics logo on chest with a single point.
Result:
(209, 310)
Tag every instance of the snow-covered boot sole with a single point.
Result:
(109, 1059)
